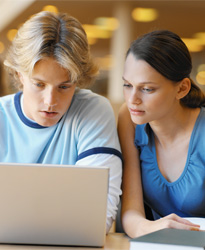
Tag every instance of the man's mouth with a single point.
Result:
(49, 113)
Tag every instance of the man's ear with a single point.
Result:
(183, 88)
(20, 76)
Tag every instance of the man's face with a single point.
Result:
(47, 93)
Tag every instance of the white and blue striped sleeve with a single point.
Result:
(98, 145)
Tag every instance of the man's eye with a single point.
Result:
(37, 84)
(64, 87)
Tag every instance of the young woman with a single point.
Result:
(53, 119)
(161, 129)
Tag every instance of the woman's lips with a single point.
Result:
(136, 111)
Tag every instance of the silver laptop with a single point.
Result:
(53, 204)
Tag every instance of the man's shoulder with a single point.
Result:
(90, 99)
(6, 100)
(87, 105)
(85, 94)
(7, 97)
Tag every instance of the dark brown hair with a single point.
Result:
(168, 54)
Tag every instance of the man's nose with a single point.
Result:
(50, 98)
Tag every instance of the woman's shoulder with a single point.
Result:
(201, 117)
(198, 135)
(203, 111)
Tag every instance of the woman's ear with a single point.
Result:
(183, 88)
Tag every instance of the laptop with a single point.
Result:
(53, 204)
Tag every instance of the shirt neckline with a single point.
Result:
(187, 159)
(24, 119)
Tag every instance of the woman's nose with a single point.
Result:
(135, 97)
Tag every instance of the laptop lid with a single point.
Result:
(53, 204)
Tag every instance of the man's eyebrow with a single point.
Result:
(41, 80)
(68, 81)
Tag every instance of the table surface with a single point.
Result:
(114, 241)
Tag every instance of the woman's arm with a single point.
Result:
(133, 215)
(132, 198)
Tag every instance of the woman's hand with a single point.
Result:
(169, 221)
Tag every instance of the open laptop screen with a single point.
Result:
(53, 204)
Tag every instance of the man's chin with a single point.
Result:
(47, 123)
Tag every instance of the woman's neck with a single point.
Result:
(175, 126)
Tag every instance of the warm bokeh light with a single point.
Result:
(92, 40)
(105, 63)
(201, 67)
(95, 31)
(108, 23)
(201, 37)
(2, 48)
(193, 44)
(144, 14)
(200, 77)
(11, 34)
(101, 29)
(50, 8)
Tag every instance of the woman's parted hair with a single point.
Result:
(168, 54)
(59, 36)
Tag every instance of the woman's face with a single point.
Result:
(47, 93)
(149, 95)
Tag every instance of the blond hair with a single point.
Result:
(59, 36)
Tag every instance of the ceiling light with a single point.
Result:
(1, 47)
(50, 8)
(105, 63)
(201, 67)
(95, 31)
(144, 14)
(193, 44)
(200, 77)
(108, 23)
(11, 34)
(201, 37)
(91, 40)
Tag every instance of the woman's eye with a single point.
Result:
(126, 85)
(148, 90)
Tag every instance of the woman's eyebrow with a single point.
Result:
(148, 82)
(124, 79)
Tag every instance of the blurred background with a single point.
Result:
(110, 27)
